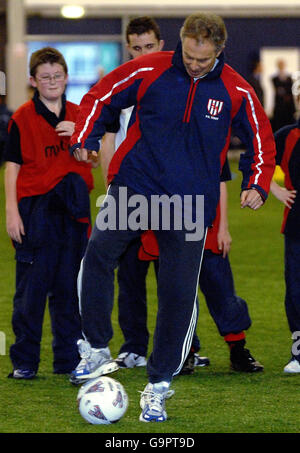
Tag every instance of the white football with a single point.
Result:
(102, 401)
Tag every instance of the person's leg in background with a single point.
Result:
(292, 299)
(229, 311)
(132, 302)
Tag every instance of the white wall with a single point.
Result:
(269, 58)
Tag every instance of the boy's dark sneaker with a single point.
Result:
(242, 360)
(191, 361)
(22, 374)
(189, 364)
(130, 360)
(201, 361)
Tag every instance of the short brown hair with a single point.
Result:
(46, 55)
(205, 26)
(141, 25)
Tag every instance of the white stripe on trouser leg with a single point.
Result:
(79, 289)
(79, 277)
(191, 329)
(79, 285)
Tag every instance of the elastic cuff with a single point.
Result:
(74, 147)
(235, 337)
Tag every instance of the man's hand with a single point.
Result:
(252, 199)
(85, 155)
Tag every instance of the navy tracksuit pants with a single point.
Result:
(292, 281)
(228, 310)
(132, 301)
(50, 271)
(177, 281)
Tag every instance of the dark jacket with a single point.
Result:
(179, 132)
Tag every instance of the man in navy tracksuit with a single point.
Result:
(143, 37)
(186, 104)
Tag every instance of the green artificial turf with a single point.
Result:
(213, 399)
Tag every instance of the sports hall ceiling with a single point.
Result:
(100, 8)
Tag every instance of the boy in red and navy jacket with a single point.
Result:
(288, 157)
(47, 217)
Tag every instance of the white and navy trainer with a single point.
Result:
(152, 402)
(94, 363)
(130, 360)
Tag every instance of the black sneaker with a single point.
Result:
(189, 364)
(201, 361)
(242, 360)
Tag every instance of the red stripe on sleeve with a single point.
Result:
(263, 141)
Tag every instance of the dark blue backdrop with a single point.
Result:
(246, 35)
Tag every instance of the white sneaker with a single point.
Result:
(130, 360)
(94, 363)
(152, 402)
(292, 367)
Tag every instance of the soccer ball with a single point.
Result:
(102, 401)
